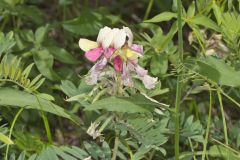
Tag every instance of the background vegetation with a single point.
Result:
(46, 108)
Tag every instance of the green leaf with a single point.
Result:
(206, 22)
(89, 22)
(159, 64)
(6, 42)
(48, 154)
(62, 55)
(5, 139)
(223, 152)
(40, 34)
(16, 98)
(32, 12)
(218, 71)
(137, 104)
(22, 156)
(44, 62)
(217, 13)
(165, 16)
(191, 10)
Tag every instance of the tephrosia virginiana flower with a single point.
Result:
(115, 46)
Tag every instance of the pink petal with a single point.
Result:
(135, 61)
(141, 71)
(109, 52)
(118, 64)
(94, 54)
(101, 64)
(137, 48)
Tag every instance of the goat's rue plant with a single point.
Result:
(115, 71)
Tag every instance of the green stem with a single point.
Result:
(116, 145)
(46, 123)
(150, 4)
(47, 128)
(223, 118)
(230, 98)
(11, 130)
(179, 83)
(208, 125)
(192, 149)
(5, 21)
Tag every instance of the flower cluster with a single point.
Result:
(115, 48)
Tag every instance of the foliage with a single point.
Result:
(48, 111)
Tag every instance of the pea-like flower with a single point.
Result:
(115, 47)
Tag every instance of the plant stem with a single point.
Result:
(223, 118)
(150, 4)
(179, 81)
(230, 98)
(192, 149)
(116, 144)
(11, 130)
(46, 123)
(208, 125)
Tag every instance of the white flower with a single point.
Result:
(88, 158)
(103, 33)
(107, 41)
(92, 130)
(115, 37)
(149, 82)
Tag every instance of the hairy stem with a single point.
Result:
(116, 145)
(179, 81)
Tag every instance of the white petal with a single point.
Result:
(107, 41)
(149, 82)
(120, 39)
(102, 33)
(88, 158)
(86, 44)
(129, 35)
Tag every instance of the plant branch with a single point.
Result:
(179, 82)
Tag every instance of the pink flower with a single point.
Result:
(118, 64)
(115, 46)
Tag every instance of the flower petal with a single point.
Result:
(149, 82)
(137, 48)
(141, 71)
(109, 52)
(101, 64)
(129, 35)
(107, 41)
(127, 79)
(132, 55)
(92, 77)
(94, 54)
(118, 64)
(103, 33)
(86, 44)
(120, 39)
